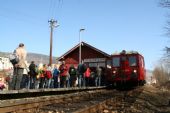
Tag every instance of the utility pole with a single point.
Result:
(80, 45)
(52, 23)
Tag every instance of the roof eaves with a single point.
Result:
(72, 49)
(97, 49)
(75, 47)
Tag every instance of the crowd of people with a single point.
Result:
(63, 76)
(46, 76)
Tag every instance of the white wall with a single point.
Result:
(5, 63)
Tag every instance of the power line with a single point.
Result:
(55, 8)
(59, 7)
(19, 16)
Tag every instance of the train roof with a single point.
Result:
(125, 52)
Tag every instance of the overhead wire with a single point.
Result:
(18, 16)
(49, 9)
(60, 7)
(52, 8)
(55, 8)
(54, 12)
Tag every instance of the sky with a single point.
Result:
(110, 25)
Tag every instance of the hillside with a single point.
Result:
(38, 58)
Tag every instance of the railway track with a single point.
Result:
(141, 99)
(35, 104)
(92, 101)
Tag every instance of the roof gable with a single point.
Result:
(84, 44)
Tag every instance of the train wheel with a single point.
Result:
(120, 85)
(116, 84)
(141, 82)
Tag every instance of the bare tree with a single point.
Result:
(161, 74)
(166, 57)
(165, 3)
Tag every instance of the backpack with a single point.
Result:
(72, 71)
(14, 59)
(56, 72)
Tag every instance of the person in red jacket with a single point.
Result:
(63, 74)
(48, 77)
(87, 76)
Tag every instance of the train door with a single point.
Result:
(142, 71)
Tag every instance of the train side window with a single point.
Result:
(142, 62)
(116, 61)
(132, 61)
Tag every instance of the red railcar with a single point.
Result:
(126, 67)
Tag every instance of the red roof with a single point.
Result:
(83, 43)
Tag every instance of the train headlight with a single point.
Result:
(135, 71)
(114, 72)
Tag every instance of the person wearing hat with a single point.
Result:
(19, 67)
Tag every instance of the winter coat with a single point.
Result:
(98, 71)
(32, 70)
(48, 74)
(81, 68)
(21, 53)
(87, 73)
(72, 71)
(55, 72)
(63, 70)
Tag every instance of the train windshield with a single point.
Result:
(131, 59)
(116, 61)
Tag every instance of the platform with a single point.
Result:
(24, 93)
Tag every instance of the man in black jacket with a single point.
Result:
(81, 69)
(33, 73)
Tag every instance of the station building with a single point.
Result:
(90, 55)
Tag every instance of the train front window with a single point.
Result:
(132, 61)
(116, 61)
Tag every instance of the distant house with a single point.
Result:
(5, 63)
